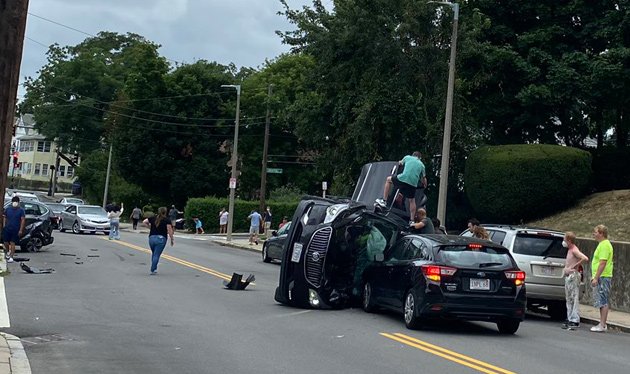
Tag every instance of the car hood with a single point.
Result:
(370, 184)
(93, 217)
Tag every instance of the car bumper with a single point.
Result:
(94, 227)
(545, 292)
(474, 309)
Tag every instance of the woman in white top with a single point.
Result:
(223, 220)
(114, 221)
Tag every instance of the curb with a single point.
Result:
(236, 246)
(18, 361)
(611, 325)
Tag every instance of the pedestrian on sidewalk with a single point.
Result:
(114, 221)
(254, 226)
(267, 220)
(160, 228)
(135, 216)
(223, 220)
(602, 273)
(198, 226)
(285, 220)
(13, 228)
(572, 278)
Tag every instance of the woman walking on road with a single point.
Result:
(114, 221)
(160, 227)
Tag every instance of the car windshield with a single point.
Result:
(539, 245)
(74, 201)
(284, 228)
(94, 210)
(467, 256)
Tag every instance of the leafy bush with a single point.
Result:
(208, 208)
(510, 183)
(611, 169)
(286, 193)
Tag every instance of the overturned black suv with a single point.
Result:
(332, 241)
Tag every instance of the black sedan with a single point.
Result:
(37, 229)
(439, 276)
(273, 249)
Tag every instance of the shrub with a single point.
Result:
(511, 183)
(208, 208)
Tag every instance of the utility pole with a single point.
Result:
(234, 162)
(263, 173)
(12, 27)
(109, 168)
(53, 188)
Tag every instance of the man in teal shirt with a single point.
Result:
(407, 181)
(601, 275)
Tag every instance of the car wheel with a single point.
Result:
(34, 245)
(106, 233)
(61, 229)
(265, 254)
(411, 311)
(76, 228)
(508, 326)
(557, 311)
(368, 299)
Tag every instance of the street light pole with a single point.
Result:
(234, 161)
(263, 173)
(446, 142)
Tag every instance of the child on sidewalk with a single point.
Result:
(198, 226)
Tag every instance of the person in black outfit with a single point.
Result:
(160, 228)
(422, 224)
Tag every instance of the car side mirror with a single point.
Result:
(274, 233)
(379, 257)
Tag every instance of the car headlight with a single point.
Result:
(313, 298)
(333, 211)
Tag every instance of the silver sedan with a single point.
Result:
(84, 218)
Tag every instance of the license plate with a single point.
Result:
(546, 270)
(297, 252)
(480, 284)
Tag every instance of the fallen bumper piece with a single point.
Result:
(237, 283)
(34, 270)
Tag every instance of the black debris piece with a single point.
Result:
(78, 262)
(67, 254)
(93, 249)
(21, 259)
(237, 283)
(94, 256)
(34, 270)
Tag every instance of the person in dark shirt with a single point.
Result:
(422, 224)
(13, 228)
(160, 228)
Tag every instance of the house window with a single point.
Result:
(28, 167)
(38, 168)
(44, 170)
(26, 146)
(43, 146)
(62, 170)
(70, 172)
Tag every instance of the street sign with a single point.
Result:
(324, 186)
(274, 170)
(232, 182)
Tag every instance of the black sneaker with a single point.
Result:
(574, 325)
(565, 325)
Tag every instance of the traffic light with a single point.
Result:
(15, 159)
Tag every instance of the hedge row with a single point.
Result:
(208, 208)
(511, 183)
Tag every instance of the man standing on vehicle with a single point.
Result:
(572, 280)
(14, 220)
(602, 272)
(406, 182)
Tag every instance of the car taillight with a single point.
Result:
(475, 246)
(434, 273)
(517, 276)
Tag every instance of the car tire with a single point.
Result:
(508, 326)
(557, 310)
(106, 233)
(265, 254)
(410, 311)
(61, 229)
(34, 244)
(367, 301)
(76, 228)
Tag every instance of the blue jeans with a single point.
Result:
(114, 229)
(157, 244)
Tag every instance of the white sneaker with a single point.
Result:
(599, 328)
(10, 259)
(381, 203)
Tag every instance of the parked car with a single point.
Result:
(37, 228)
(84, 218)
(55, 213)
(71, 200)
(26, 196)
(332, 240)
(439, 276)
(540, 254)
(273, 248)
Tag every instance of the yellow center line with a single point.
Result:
(191, 265)
(447, 354)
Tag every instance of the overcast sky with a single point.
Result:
(238, 31)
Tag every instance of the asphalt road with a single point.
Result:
(106, 314)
